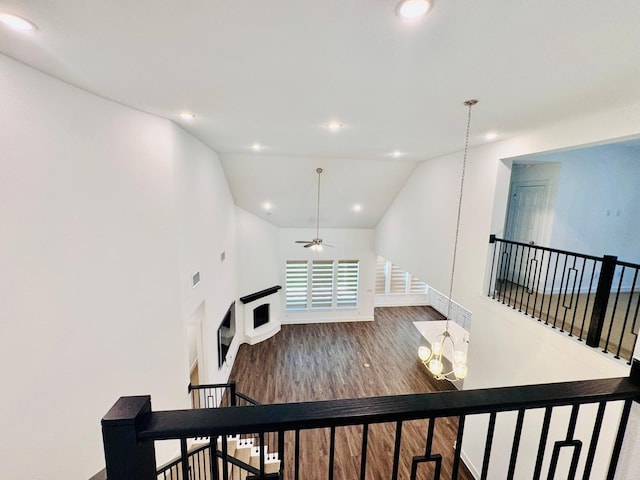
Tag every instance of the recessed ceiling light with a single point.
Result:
(396, 154)
(491, 136)
(16, 23)
(256, 147)
(334, 126)
(267, 205)
(357, 207)
(410, 9)
(187, 116)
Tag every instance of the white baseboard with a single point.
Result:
(326, 320)
(472, 468)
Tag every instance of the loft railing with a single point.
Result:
(596, 299)
(131, 428)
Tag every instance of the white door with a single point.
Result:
(527, 207)
(525, 224)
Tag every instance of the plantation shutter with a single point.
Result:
(398, 280)
(297, 282)
(381, 275)
(347, 291)
(322, 284)
(417, 286)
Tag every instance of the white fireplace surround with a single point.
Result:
(263, 332)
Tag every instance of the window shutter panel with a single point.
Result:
(347, 291)
(398, 280)
(381, 275)
(322, 284)
(297, 283)
(417, 286)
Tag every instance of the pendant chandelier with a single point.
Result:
(432, 358)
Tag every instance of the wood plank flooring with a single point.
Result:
(349, 360)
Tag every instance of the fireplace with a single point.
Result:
(261, 315)
(261, 318)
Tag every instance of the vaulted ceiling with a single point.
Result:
(277, 72)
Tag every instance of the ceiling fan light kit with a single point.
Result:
(316, 244)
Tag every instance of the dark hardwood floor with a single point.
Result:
(348, 360)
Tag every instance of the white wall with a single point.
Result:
(258, 263)
(596, 209)
(206, 228)
(412, 235)
(349, 244)
(99, 239)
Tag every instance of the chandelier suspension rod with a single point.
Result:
(469, 104)
(318, 171)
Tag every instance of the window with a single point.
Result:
(347, 291)
(398, 280)
(297, 285)
(381, 275)
(322, 284)
(391, 279)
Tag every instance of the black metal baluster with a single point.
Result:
(184, 458)
(633, 328)
(213, 458)
(516, 445)
(458, 450)
(492, 240)
(575, 310)
(363, 455)
(535, 300)
(525, 283)
(613, 313)
(262, 449)
(532, 281)
(296, 455)
(504, 270)
(617, 447)
(513, 281)
(626, 314)
(544, 434)
(586, 307)
(281, 452)
(396, 451)
(225, 455)
(595, 436)
(553, 284)
(562, 282)
(487, 446)
(566, 307)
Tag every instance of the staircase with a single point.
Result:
(238, 456)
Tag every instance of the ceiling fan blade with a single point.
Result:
(303, 241)
(309, 245)
(328, 245)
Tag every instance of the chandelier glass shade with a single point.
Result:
(434, 358)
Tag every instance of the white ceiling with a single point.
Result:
(275, 72)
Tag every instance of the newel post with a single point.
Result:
(601, 300)
(125, 456)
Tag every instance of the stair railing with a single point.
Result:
(130, 429)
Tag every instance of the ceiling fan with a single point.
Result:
(316, 244)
